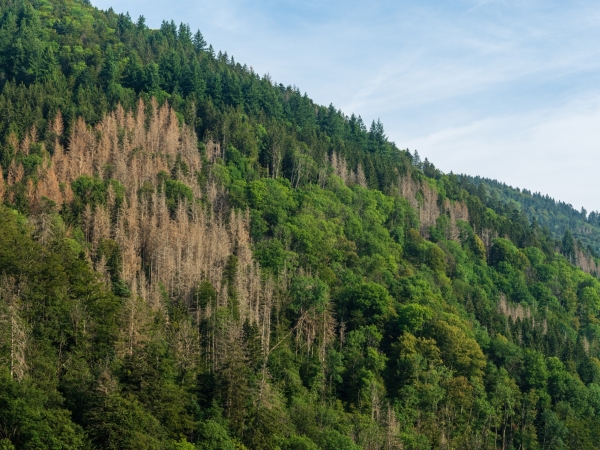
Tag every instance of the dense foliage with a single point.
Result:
(192, 256)
(559, 217)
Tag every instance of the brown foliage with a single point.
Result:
(587, 263)
(16, 172)
(160, 248)
(48, 186)
(515, 312)
(425, 198)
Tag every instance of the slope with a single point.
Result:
(194, 257)
(557, 216)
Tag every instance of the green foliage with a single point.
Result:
(390, 326)
(31, 422)
(334, 440)
(413, 317)
(504, 251)
(563, 222)
(117, 422)
(89, 190)
(175, 191)
(308, 293)
(366, 304)
(212, 436)
(298, 443)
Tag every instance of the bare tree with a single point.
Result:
(360, 177)
(161, 245)
(14, 331)
(16, 172)
(428, 208)
(135, 322)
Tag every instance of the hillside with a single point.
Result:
(195, 257)
(557, 216)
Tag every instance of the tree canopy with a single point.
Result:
(195, 256)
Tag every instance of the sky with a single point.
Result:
(505, 89)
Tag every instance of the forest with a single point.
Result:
(559, 217)
(194, 256)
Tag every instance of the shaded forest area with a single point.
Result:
(195, 257)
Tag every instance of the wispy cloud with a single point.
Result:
(554, 151)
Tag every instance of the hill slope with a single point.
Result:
(194, 257)
(557, 216)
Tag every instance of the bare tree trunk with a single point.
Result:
(17, 328)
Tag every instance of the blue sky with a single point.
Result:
(504, 89)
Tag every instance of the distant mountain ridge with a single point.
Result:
(559, 217)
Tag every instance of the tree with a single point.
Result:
(568, 246)
(412, 317)
(199, 42)
(188, 272)
(27, 421)
(459, 351)
(308, 293)
(109, 73)
(212, 436)
(365, 304)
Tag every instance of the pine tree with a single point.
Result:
(568, 245)
(110, 70)
(199, 42)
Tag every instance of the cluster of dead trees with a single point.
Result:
(163, 251)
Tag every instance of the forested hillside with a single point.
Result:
(195, 257)
(559, 217)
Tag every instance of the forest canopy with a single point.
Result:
(193, 256)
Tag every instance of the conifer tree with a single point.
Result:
(199, 42)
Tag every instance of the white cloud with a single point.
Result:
(552, 151)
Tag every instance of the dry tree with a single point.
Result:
(166, 245)
(14, 329)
